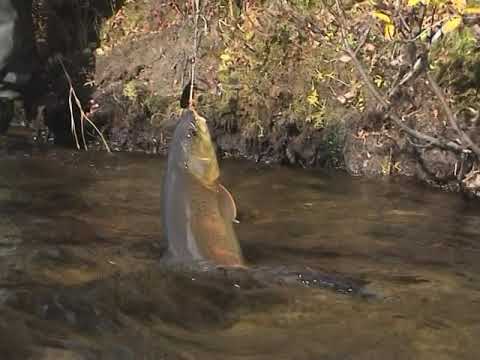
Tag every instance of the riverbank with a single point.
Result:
(276, 88)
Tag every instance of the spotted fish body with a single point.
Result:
(198, 212)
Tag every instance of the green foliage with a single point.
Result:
(130, 90)
(124, 23)
(455, 57)
(158, 107)
(446, 12)
(333, 145)
(463, 44)
(458, 62)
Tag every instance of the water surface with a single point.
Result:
(81, 276)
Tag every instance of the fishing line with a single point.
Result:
(196, 8)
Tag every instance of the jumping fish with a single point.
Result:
(198, 212)
(198, 216)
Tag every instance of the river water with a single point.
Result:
(81, 276)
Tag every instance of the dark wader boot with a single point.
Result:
(17, 55)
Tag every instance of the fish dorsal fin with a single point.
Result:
(227, 203)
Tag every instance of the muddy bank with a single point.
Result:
(257, 111)
(139, 84)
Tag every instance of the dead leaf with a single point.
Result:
(369, 47)
(350, 95)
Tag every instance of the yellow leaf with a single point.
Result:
(249, 35)
(225, 57)
(378, 80)
(319, 75)
(451, 24)
(413, 2)
(389, 31)
(459, 5)
(472, 11)
(416, 2)
(312, 98)
(382, 16)
(424, 35)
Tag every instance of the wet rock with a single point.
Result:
(373, 147)
(72, 311)
(10, 237)
(5, 296)
(438, 164)
(62, 256)
(305, 148)
(56, 311)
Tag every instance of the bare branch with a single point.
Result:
(452, 120)
(363, 40)
(445, 144)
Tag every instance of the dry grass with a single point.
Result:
(72, 96)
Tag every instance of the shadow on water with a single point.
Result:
(81, 276)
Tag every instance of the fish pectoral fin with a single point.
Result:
(227, 204)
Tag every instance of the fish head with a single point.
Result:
(198, 156)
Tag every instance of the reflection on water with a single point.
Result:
(81, 278)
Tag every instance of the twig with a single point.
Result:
(72, 95)
(230, 8)
(418, 67)
(363, 40)
(421, 146)
(433, 15)
(72, 119)
(434, 141)
(452, 120)
(404, 23)
(446, 144)
(177, 9)
(423, 9)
